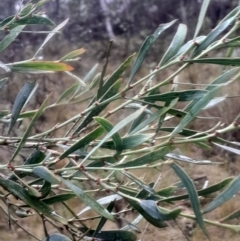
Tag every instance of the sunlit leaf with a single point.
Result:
(72, 54)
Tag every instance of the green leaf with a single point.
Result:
(128, 142)
(32, 20)
(68, 92)
(185, 95)
(193, 196)
(20, 101)
(175, 45)
(155, 222)
(39, 67)
(146, 46)
(196, 108)
(150, 207)
(140, 183)
(72, 54)
(50, 35)
(31, 201)
(45, 174)
(103, 220)
(115, 75)
(110, 235)
(233, 215)
(3, 82)
(228, 193)
(228, 148)
(99, 108)
(201, 17)
(30, 126)
(213, 34)
(56, 237)
(103, 201)
(45, 189)
(202, 192)
(117, 127)
(220, 61)
(83, 142)
(11, 37)
(59, 198)
(148, 158)
(107, 126)
(88, 200)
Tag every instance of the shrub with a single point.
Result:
(107, 154)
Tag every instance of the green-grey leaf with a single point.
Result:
(193, 196)
(20, 101)
(201, 17)
(213, 34)
(108, 127)
(45, 174)
(118, 127)
(148, 158)
(220, 61)
(175, 45)
(30, 126)
(56, 237)
(228, 193)
(83, 142)
(88, 200)
(59, 198)
(233, 215)
(33, 202)
(146, 46)
(11, 37)
(109, 235)
(129, 142)
(185, 95)
(196, 108)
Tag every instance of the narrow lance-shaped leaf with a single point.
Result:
(33, 202)
(34, 19)
(103, 220)
(129, 142)
(32, 123)
(57, 237)
(233, 215)
(118, 127)
(228, 148)
(83, 142)
(148, 158)
(10, 37)
(196, 108)
(175, 45)
(55, 30)
(20, 101)
(219, 61)
(46, 174)
(109, 235)
(185, 95)
(102, 201)
(213, 34)
(201, 17)
(99, 108)
(202, 192)
(3, 82)
(228, 193)
(146, 46)
(108, 127)
(39, 67)
(193, 196)
(67, 92)
(88, 200)
(72, 54)
(226, 76)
